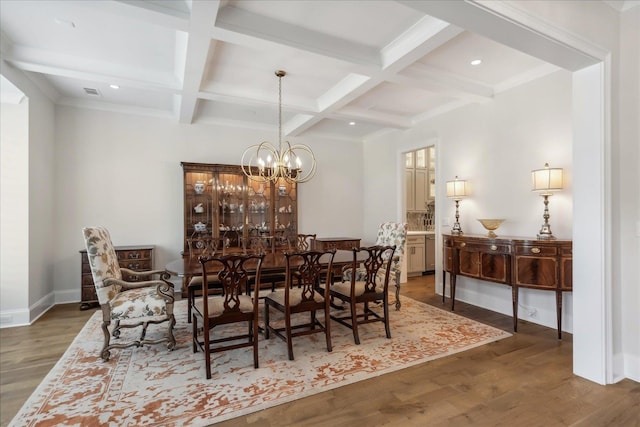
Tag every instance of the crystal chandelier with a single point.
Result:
(264, 162)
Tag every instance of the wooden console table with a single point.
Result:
(516, 262)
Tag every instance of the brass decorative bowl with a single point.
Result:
(491, 225)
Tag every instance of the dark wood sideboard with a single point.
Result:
(137, 258)
(328, 243)
(516, 262)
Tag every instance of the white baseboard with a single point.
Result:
(12, 318)
(24, 317)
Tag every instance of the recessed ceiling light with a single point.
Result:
(114, 86)
(476, 62)
(352, 123)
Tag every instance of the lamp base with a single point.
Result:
(545, 233)
(456, 230)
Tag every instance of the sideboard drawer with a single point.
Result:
(536, 250)
(138, 265)
(133, 254)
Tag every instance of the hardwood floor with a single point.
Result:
(524, 380)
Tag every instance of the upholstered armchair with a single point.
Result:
(127, 304)
(389, 234)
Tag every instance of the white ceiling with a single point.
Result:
(382, 64)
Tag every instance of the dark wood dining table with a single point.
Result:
(273, 266)
(274, 263)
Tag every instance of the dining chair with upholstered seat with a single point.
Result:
(233, 306)
(128, 304)
(312, 269)
(369, 286)
(389, 234)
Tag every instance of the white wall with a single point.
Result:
(14, 212)
(627, 177)
(32, 173)
(495, 146)
(123, 172)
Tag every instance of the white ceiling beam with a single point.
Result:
(435, 80)
(373, 117)
(203, 16)
(256, 102)
(492, 20)
(151, 13)
(423, 37)
(427, 35)
(239, 21)
(47, 62)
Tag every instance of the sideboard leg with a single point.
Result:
(444, 284)
(453, 291)
(559, 312)
(514, 300)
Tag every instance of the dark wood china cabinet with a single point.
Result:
(226, 211)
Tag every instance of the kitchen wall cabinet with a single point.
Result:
(420, 179)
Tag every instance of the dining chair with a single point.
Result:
(258, 245)
(200, 244)
(313, 268)
(305, 242)
(128, 304)
(389, 234)
(366, 289)
(233, 306)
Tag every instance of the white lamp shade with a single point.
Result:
(547, 179)
(457, 189)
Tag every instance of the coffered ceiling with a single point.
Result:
(379, 64)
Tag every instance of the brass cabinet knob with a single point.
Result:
(535, 250)
(494, 247)
(463, 244)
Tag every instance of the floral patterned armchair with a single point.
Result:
(132, 303)
(389, 234)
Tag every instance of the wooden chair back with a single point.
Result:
(233, 272)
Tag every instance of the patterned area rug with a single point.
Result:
(151, 386)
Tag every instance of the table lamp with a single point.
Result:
(457, 190)
(545, 181)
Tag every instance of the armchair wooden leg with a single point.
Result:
(171, 344)
(105, 353)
